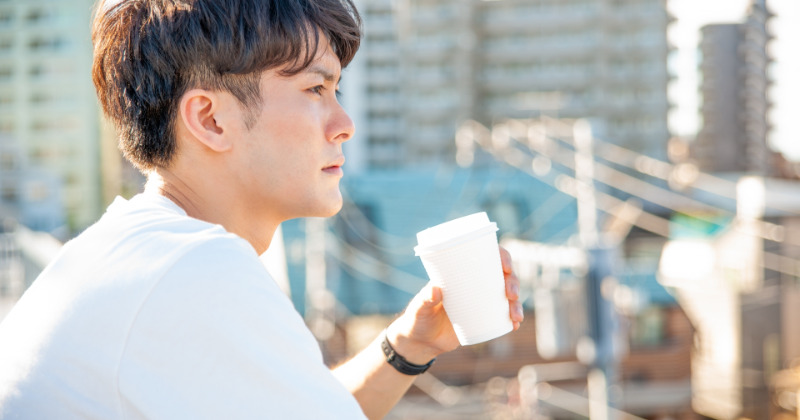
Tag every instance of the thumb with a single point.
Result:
(431, 300)
(436, 296)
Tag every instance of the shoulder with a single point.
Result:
(151, 228)
(218, 328)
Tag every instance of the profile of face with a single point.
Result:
(289, 161)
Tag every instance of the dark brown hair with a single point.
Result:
(148, 53)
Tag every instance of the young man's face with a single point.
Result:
(290, 160)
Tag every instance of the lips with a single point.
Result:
(335, 164)
(335, 167)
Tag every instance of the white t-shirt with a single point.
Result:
(152, 314)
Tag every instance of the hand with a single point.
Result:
(424, 331)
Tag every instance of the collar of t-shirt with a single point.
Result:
(150, 198)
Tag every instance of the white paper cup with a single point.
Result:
(462, 257)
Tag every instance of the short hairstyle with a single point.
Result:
(148, 53)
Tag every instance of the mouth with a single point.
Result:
(335, 167)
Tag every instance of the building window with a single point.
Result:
(5, 16)
(648, 328)
(46, 43)
(8, 161)
(6, 44)
(37, 191)
(36, 15)
(8, 192)
(7, 126)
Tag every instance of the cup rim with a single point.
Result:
(421, 250)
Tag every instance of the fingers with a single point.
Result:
(515, 312)
(512, 289)
(435, 296)
(512, 286)
(514, 305)
(505, 260)
(427, 298)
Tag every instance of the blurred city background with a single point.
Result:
(640, 158)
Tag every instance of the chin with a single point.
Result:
(333, 211)
(328, 209)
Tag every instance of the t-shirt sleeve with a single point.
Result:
(216, 338)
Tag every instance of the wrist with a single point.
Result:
(399, 362)
(412, 350)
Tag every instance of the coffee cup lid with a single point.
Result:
(453, 232)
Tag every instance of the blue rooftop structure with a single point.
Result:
(372, 267)
(371, 264)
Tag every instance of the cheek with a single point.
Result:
(287, 144)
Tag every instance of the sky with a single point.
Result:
(785, 72)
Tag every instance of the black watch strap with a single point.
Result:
(400, 363)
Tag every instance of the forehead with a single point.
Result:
(325, 64)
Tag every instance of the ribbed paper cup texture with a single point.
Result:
(462, 257)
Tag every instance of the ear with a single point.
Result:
(201, 113)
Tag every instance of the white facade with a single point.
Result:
(47, 101)
(430, 64)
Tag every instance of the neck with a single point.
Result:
(203, 199)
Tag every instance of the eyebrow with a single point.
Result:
(325, 73)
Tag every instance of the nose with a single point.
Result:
(341, 125)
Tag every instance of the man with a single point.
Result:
(162, 308)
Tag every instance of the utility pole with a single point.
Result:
(600, 357)
(584, 175)
(319, 301)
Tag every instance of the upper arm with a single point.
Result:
(218, 339)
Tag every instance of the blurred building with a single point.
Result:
(371, 266)
(23, 256)
(426, 65)
(47, 102)
(738, 286)
(29, 195)
(734, 107)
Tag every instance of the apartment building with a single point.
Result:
(427, 65)
(734, 88)
(29, 195)
(47, 102)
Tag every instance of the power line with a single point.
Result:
(685, 174)
(401, 250)
(546, 146)
(609, 204)
(376, 269)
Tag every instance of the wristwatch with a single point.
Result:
(399, 362)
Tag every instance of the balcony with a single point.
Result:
(381, 51)
(383, 128)
(386, 154)
(379, 26)
(432, 78)
(384, 77)
(642, 16)
(383, 103)
(425, 113)
(515, 80)
(532, 50)
(531, 22)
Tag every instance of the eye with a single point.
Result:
(317, 90)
